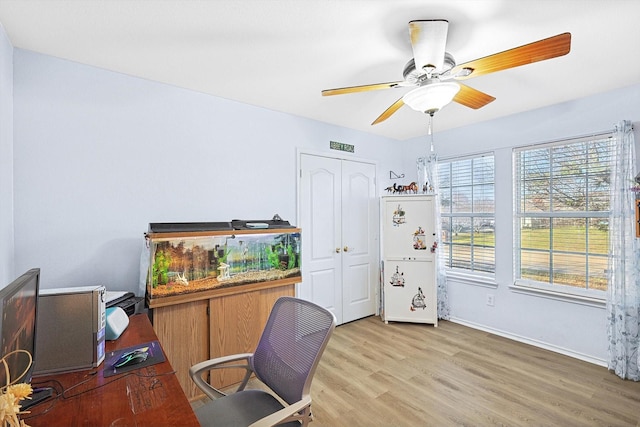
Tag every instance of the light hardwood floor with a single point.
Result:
(404, 374)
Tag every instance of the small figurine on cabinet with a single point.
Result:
(411, 188)
(427, 188)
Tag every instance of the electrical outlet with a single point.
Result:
(490, 300)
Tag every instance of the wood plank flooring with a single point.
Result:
(404, 374)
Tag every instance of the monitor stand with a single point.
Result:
(39, 395)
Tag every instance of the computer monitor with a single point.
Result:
(18, 312)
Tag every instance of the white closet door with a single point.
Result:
(321, 223)
(339, 221)
(359, 240)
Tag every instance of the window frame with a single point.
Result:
(479, 277)
(527, 285)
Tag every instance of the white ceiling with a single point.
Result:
(279, 54)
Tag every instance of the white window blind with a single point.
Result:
(468, 214)
(561, 214)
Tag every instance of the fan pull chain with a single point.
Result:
(430, 130)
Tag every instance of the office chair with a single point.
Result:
(285, 359)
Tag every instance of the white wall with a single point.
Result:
(99, 155)
(567, 327)
(7, 272)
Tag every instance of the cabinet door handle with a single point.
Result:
(337, 250)
(346, 248)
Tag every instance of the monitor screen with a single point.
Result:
(18, 305)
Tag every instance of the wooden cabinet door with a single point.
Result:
(192, 332)
(236, 323)
(183, 331)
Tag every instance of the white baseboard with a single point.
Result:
(535, 343)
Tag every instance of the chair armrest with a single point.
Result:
(283, 413)
(220, 363)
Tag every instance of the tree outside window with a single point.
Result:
(562, 210)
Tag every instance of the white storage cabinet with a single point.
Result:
(409, 251)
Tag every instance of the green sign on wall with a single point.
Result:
(342, 147)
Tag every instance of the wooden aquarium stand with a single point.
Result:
(218, 325)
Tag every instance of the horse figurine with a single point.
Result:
(413, 187)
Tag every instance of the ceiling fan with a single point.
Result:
(435, 75)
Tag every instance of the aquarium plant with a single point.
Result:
(272, 256)
(161, 268)
(292, 257)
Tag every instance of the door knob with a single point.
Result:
(346, 248)
(337, 250)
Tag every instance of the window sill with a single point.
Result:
(591, 301)
(472, 279)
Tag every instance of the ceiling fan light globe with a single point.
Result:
(431, 97)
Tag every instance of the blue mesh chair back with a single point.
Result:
(291, 345)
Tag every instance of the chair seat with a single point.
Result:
(240, 409)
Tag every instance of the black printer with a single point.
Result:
(128, 302)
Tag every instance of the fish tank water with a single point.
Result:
(184, 262)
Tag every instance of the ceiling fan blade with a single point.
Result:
(472, 98)
(428, 40)
(363, 88)
(389, 111)
(527, 54)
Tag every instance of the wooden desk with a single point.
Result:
(149, 396)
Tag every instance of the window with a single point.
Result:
(562, 215)
(468, 214)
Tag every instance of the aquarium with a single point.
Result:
(207, 256)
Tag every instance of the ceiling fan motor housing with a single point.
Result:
(413, 76)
